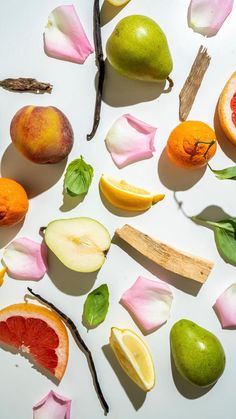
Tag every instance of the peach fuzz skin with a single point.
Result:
(43, 134)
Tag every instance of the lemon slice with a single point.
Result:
(134, 357)
(127, 197)
(118, 2)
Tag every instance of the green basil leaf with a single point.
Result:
(78, 177)
(226, 245)
(228, 173)
(96, 306)
(225, 237)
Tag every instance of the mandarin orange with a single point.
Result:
(14, 202)
(191, 144)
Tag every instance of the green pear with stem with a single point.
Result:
(197, 353)
(138, 49)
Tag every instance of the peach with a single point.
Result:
(43, 134)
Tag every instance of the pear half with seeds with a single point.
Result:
(80, 243)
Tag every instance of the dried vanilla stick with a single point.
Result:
(26, 85)
(168, 257)
(193, 82)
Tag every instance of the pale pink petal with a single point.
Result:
(225, 307)
(64, 36)
(207, 16)
(149, 302)
(25, 259)
(130, 140)
(53, 406)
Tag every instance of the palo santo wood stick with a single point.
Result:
(168, 257)
(193, 82)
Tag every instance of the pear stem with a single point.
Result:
(101, 67)
(171, 83)
(81, 344)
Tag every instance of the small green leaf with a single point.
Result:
(228, 173)
(96, 306)
(226, 245)
(225, 237)
(78, 177)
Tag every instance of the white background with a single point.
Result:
(21, 54)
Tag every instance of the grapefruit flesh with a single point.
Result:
(227, 109)
(36, 331)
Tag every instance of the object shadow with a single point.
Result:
(226, 146)
(175, 178)
(136, 395)
(35, 178)
(34, 366)
(184, 284)
(212, 213)
(121, 91)
(187, 389)
(7, 234)
(68, 281)
(108, 12)
(70, 202)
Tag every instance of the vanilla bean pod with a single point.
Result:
(101, 67)
(25, 85)
(81, 344)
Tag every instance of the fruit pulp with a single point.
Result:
(32, 336)
(233, 108)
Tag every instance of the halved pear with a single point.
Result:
(79, 243)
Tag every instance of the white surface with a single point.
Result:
(21, 52)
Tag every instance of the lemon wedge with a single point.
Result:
(134, 357)
(118, 2)
(127, 197)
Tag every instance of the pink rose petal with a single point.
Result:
(130, 140)
(148, 302)
(53, 406)
(64, 36)
(225, 307)
(25, 259)
(207, 16)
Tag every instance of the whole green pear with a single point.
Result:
(138, 49)
(198, 354)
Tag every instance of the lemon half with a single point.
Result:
(134, 357)
(118, 2)
(127, 197)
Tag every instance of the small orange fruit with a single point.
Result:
(191, 144)
(14, 202)
(227, 109)
(38, 332)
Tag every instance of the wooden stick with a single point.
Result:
(193, 83)
(168, 257)
(80, 342)
(101, 67)
(26, 85)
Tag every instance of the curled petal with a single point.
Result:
(25, 259)
(130, 140)
(149, 302)
(64, 36)
(207, 16)
(53, 406)
(225, 307)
